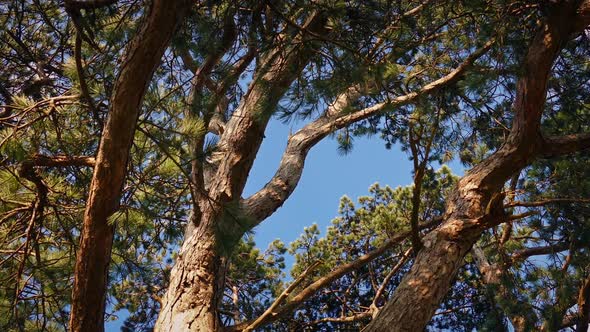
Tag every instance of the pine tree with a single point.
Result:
(128, 130)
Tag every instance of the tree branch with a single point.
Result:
(83, 84)
(271, 310)
(519, 216)
(373, 307)
(548, 201)
(538, 251)
(492, 275)
(583, 306)
(563, 145)
(61, 161)
(490, 272)
(326, 280)
(583, 16)
(244, 131)
(263, 203)
(347, 319)
(141, 58)
(420, 292)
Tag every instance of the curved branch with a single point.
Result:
(263, 203)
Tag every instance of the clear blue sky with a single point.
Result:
(328, 175)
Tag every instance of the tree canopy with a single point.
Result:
(128, 130)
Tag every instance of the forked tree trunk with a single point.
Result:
(141, 58)
(476, 203)
(197, 278)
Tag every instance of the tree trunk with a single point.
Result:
(476, 203)
(196, 285)
(197, 279)
(140, 61)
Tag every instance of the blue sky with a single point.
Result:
(328, 175)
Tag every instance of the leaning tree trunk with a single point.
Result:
(476, 203)
(140, 61)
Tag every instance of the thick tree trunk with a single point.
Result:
(196, 285)
(431, 276)
(476, 203)
(197, 279)
(141, 59)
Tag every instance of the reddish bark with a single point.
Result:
(476, 203)
(140, 61)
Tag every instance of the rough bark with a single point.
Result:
(196, 285)
(62, 161)
(476, 203)
(190, 303)
(140, 61)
